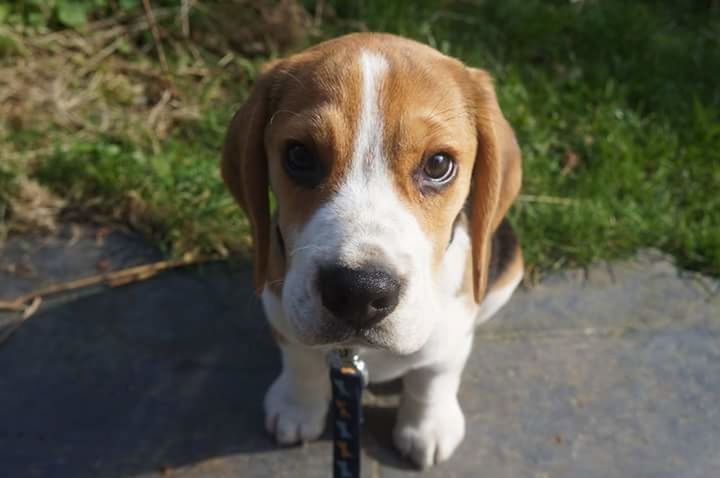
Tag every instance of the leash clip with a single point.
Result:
(348, 362)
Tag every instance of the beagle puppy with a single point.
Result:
(392, 167)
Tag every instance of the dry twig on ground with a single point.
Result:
(28, 304)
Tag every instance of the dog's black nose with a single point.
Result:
(360, 297)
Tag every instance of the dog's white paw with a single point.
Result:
(428, 435)
(291, 418)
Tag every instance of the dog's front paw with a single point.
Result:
(429, 434)
(291, 417)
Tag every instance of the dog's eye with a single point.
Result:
(302, 165)
(439, 169)
(299, 159)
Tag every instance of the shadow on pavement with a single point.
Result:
(142, 378)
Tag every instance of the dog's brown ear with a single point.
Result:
(497, 175)
(245, 171)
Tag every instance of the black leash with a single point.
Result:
(348, 377)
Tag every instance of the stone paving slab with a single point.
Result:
(609, 372)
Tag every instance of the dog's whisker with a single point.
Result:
(446, 119)
(294, 77)
(272, 118)
(302, 248)
(444, 116)
(433, 111)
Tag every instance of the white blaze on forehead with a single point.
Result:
(367, 150)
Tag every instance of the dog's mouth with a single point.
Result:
(334, 335)
(315, 326)
(339, 335)
(375, 337)
(355, 337)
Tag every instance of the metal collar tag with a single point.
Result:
(348, 377)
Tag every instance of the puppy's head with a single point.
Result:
(372, 145)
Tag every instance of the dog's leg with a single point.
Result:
(297, 402)
(430, 424)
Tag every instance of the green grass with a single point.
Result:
(173, 196)
(628, 87)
